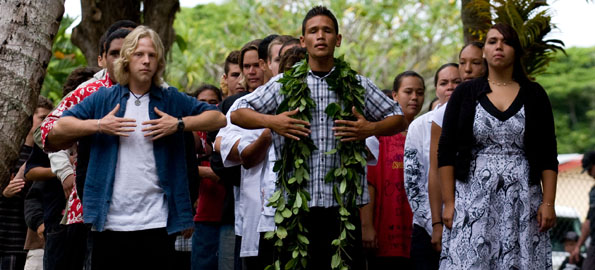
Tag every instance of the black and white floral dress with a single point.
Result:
(495, 222)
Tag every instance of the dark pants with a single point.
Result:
(147, 249)
(589, 262)
(12, 261)
(205, 245)
(323, 228)
(382, 263)
(423, 255)
(236, 251)
(266, 253)
(65, 246)
(182, 260)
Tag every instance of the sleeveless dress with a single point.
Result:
(495, 221)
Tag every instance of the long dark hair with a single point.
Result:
(511, 38)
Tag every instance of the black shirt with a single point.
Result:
(52, 193)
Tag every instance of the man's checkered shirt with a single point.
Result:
(378, 106)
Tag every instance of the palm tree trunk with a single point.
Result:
(27, 30)
(475, 21)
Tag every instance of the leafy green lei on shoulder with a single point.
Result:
(291, 197)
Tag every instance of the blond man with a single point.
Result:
(136, 190)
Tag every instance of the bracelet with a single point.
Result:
(98, 125)
(437, 222)
(547, 203)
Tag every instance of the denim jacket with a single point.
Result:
(169, 153)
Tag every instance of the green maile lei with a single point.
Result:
(291, 197)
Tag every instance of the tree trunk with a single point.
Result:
(97, 16)
(160, 15)
(27, 30)
(476, 18)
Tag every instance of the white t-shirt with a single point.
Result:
(256, 186)
(416, 161)
(138, 202)
(438, 115)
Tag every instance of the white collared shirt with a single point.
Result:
(438, 115)
(257, 185)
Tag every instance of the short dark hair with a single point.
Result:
(102, 44)
(77, 77)
(120, 33)
(263, 47)
(121, 24)
(252, 45)
(43, 102)
(511, 38)
(409, 73)
(232, 58)
(290, 57)
(441, 68)
(208, 87)
(317, 11)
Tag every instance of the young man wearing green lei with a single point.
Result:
(321, 112)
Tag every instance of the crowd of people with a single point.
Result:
(130, 173)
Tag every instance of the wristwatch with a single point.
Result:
(181, 125)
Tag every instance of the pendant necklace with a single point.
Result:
(137, 101)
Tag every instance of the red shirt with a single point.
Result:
(74, 206)
(393, 219)
(75, 97)
(211, 194)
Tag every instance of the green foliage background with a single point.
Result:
(65, 58)
(570, 83)
(381, 38)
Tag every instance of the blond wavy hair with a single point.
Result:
(121, 65)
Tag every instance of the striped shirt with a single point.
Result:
(13, 229)
(266, 99)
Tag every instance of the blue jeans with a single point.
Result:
(205, 246)
(227, 242)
